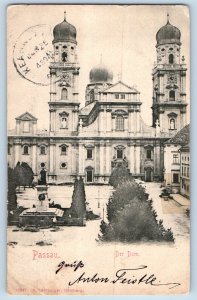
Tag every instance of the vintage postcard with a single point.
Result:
(98, 150)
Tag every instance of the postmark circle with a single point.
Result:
(32, 54)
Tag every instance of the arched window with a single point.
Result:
(9, 149)
(64, 56)
(25, 150)
(172, 95)
(43, 150)
(172, 124)
(64, 95)
(63, 150)
(171, 59)
(120, 123)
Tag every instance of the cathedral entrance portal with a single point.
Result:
(148, 174)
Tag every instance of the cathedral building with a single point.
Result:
(109, 130)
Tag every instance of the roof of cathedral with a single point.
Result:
(64, 32)
(100, 73)
(182, 137)
(87, 109)
(168, 34)
(26, 117)
(130, 89)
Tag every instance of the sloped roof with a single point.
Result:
(126, 87)
(26, 117)
(182, 137)
(87, 109)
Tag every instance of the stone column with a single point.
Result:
(34, 157)
(135, 121)
(101, 120)
(97, 158)
(102, 158)
(17, 152)
(137, 158)
(108, 158)
(81, 158)
(108, 119)
(51, 158)
(131, 158)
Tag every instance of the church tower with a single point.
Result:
(169, 81)
(64, 72)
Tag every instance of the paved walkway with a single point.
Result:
(183, 201)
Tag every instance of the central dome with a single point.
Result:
(64, 32)
(100, 74)
(168, 34)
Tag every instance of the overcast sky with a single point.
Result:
(124, 35)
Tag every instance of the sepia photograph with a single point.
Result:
(98, 131)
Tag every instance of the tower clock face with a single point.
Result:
(172, 78)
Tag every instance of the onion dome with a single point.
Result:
(168, 34)
(100, 74)
(64, 32)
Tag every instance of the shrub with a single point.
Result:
(131, 217)
(78, 206)
(119, 175)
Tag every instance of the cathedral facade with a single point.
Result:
(108, 131)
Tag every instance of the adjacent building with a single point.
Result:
(185, 170)
(176, 164)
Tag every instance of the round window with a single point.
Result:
(42, 165)
(63, 165)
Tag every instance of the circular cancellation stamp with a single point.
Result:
(32, 54)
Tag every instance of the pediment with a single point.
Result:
(26, 117)
(120, 87)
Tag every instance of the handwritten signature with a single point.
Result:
(122, 276)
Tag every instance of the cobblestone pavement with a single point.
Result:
(171, 212)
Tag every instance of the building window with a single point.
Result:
(63, 150)
(42, 150)
(116, 96)
(42, 165)
(26, 150)
(56, 47)
(148, 154)
(175, 178)
(172, 95)
(122, 96)
(172, 124)
(119, 153)
(120, 123)
(64, 56)
(64, 47)
(175, 158)
(89, 154)
(64, 95)
(171, 59)
(89, 175)
(26, 126)
(9, 149)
